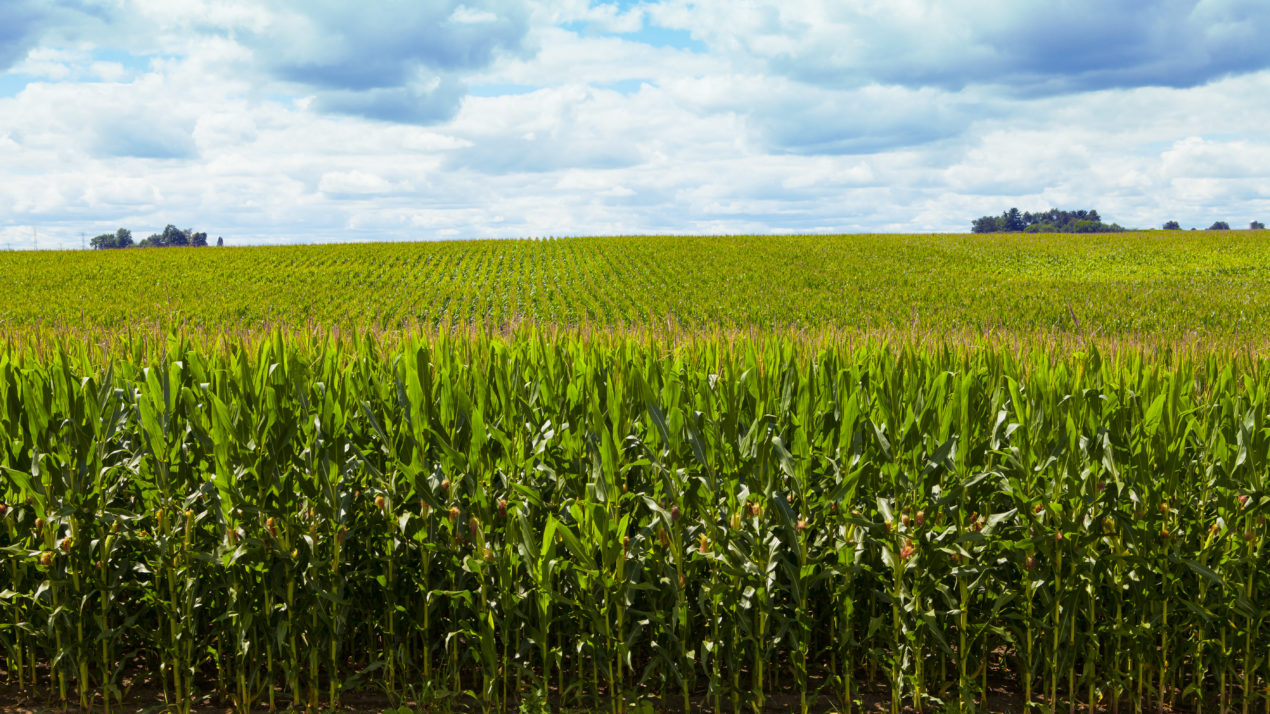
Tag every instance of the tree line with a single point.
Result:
(171, 237)
(1056, 221)
(1217, 226)
(1051, 221)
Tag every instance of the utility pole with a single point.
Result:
(35, 238)
(82, 244)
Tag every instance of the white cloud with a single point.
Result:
(1033, 48)
(108, 71)
(563, 121)
(403, 65)
(122, 192)
(48, 63)
(607, 17)
(356, 183)
(1235, 159)
(465, 15)
(565, 57)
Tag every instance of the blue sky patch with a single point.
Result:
(136, 63)
(651, 35)
(11, 83)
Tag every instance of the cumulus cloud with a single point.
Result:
(403, 65)
(566, 57)
(288, 121)
(1031, 48)
(25, 23)
(118, 136)
(785, 116)
(338, 183)
(556, 129)
(416, 103)
(606, 17)
(1233, 159)
(147, 118)
(19, 32)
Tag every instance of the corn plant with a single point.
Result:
(605, 520)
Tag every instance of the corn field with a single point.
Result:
(603, 522)
(1167, 283)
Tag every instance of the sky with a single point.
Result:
(306, 121)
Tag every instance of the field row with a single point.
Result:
(595, 523)
(1172, 284)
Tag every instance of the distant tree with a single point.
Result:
(1172, 226)
(986, 224)
(121, 238)
(1256, 226)
(1051, 221)
(220, 242)
(174, 237)
(1219, 226)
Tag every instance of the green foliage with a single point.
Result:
(277, 520)
(1219, 226)
(121, 238)
(173, 237)
(1111, 286)
(1051, 221)
(714, 468)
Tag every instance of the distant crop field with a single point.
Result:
(1158, 283)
